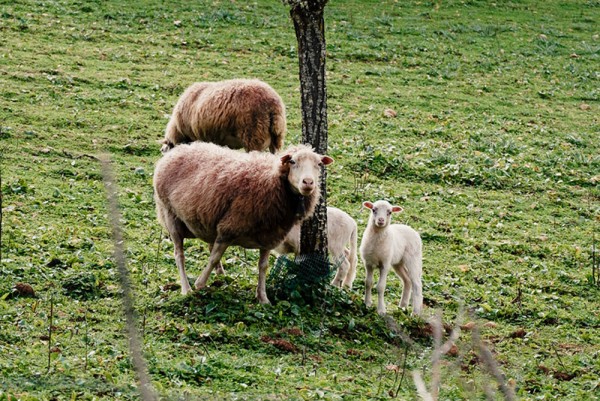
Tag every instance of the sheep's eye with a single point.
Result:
(389, 212)
(292, 161)
(320, 164)
(374, 210)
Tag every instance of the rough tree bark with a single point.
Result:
(309, 24)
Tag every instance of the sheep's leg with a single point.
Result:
(263, 265)
(215, 257)
(417, 297)
(381, 284)
(351, 274)
(407, 285)
(219, 267)
(180, 261)
(342, 270)
(368, 285)
(414, 271)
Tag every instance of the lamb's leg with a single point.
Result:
(263, 265)
(381, 284)
(351, 274)
(342, 270)
(180, 261)
(368, 284)
(216, 252)
(417, 297)
(407, 285)
(414, 270)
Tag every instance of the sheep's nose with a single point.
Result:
(308, 181)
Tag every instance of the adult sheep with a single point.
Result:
(385, 246)
(226, 197)
(341, 231)
(238, 113)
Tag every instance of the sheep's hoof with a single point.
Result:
(381, 312)
(336, 283)
(199, 286)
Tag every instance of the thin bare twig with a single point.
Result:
(436, 356)
(1, 160)
(492, 366)
(86, 341)
(403, 371)
(50, 331)
(135, 344)
(421, 388)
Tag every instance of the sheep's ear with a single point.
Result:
(368, 205)
(397, 209)
(285, 159)
(326, 160)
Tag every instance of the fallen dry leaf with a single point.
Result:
(468, 326)
(389, 113)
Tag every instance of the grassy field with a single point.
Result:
(494, 154)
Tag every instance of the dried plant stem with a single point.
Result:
(436, 357)
(50, 332)
(403, 371)
(87, 341)
(135, 344)
(594, 263)
(421, 388)
(1, 160)
(492, 366)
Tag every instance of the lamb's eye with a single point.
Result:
(292, 162)
(374, 210)
(389, 212)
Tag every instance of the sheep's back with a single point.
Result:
(405, 239)
(231, 104)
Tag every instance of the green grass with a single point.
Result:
(494, 155)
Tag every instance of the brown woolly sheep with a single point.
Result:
(238, 113)
(341, 231)
(226, 197)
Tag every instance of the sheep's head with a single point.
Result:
(381, 212)
(304, 168)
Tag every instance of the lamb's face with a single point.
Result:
(381, 212)
(305, 170)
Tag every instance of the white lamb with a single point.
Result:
(341, 231)
(385, 246)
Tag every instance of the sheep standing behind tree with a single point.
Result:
(341, 231)
(226, 197)
(385, 246)
(238, 113)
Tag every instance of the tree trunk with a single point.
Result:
(309, 24)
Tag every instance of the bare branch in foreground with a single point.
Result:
(135, 344)
(492, 366)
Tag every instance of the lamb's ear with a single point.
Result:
(397, 209)
(285, 159)
(326, 160)
(368, 205)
